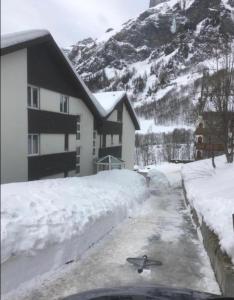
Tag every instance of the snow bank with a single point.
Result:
(164, 175)
(59, 219)
(211, 193)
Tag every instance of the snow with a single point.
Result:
(108, 100)
(148, 126)
(12, 39)
(211, 192)
(50, 222)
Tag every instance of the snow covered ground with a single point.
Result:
(161, 227)
(211, 192)
(148, 126)
(45, 224)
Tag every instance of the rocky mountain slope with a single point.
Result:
(158, 56)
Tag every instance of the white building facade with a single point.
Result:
(51, 124)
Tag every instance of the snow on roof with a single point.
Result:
(15, 38)
(108, 100)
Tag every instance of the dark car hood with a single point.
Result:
(144, 293)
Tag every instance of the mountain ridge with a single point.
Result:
(158, 56)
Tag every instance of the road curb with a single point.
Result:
(220, 261)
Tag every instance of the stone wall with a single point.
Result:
(221, 262)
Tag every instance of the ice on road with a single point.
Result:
(162, 229)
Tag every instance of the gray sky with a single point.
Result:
(68, 20)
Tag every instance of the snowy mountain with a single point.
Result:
(158, 56)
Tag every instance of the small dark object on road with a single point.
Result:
(143, 262)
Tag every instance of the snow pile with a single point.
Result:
(164, 174)
(36, 215)
(211, 193)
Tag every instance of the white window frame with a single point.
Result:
(30, 105)
(78, 156)
(94, 142)
(78, 127)
(62, 104)
(31, 135)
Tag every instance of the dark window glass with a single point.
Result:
(120, 139)
(61, 104)
(66, 142)
(35, 97)
(104, 141)
(94, 151)
(78, 160)
(78, 136)
(29, 96)
(66, 104)
(77, 150)
(33, 144)
(78, 118)
(112, 139)
(29, 144)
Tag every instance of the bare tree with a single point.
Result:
(217, 99)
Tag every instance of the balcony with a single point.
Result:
(40, 121)
(114, 151)
(109, 127)
(47, 165)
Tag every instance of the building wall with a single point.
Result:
(113, 116)
(77, 106)
(128, 140)
(54, 143)
(14, 128)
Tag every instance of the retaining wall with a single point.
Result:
(220, 261)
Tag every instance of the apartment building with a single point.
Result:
(51, 124)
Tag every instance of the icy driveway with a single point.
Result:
(162, 229)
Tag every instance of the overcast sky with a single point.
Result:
(68, 20)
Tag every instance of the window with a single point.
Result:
(120, 139)
(78, 128)
(200, 140)
(119, 115)
(77, 160)
(77, 151)
(112, 140)
(64, 104)
(66, 142)
(33, 144)
(33, 97)
(94, 142)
